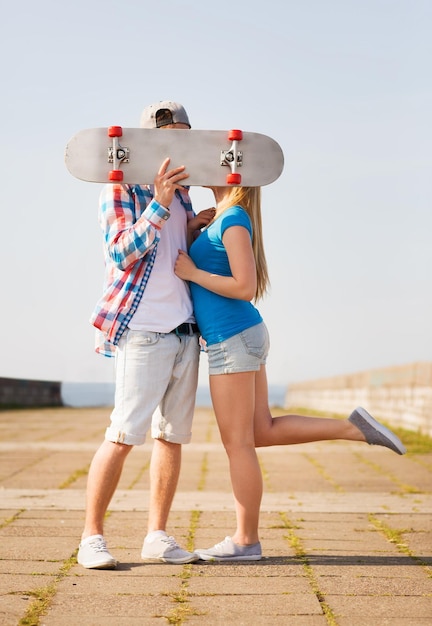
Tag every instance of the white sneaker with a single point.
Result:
(165, 549)
(93, 554)
(227, 550)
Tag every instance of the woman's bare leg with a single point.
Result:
(233, 401)
(291, 429)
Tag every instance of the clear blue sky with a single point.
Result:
(343, 85)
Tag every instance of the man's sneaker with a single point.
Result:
(227, 550)
(375, 433)
(165, 549)
(93, 554)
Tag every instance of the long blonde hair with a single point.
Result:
(249, 198)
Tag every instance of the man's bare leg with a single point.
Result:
(164, 474)
(104, 475)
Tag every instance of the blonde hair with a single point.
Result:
(249, 198)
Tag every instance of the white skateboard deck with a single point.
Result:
(211, 157)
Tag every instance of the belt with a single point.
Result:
(186, 329)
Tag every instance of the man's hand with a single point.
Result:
(167, 181)
(202, 219)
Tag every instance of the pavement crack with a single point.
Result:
(396, 536)
(12, 518)
(404, 488)
(45, 595)
(300, 554)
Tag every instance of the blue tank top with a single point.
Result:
(219, 317)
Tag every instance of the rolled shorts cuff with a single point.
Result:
(170, 437)
(118, 436)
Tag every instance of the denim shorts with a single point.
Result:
(156, 381)
(244, 352)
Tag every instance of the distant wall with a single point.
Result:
(400, 395)
(15, 392)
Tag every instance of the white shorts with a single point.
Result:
(156, 381)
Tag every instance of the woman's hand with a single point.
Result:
(184, 267)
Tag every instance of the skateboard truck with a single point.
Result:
(117, 154)
(233, 157)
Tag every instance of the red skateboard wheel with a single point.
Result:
(235, 135)
(115, 175)
(233, 179)
(115, 131)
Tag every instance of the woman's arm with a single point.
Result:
(242, 284)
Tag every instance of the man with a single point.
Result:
(145, 318)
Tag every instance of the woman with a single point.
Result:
(227, 269)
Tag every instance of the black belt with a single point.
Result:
(186, 329)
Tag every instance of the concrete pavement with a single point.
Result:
(346, 531)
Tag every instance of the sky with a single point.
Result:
(344, 86)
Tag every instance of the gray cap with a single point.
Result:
(163, 113)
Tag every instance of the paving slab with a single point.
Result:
(346, 531)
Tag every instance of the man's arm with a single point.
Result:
(128, 237)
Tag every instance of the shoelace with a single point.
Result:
(98, 545)
(170, 541)
(223, 543)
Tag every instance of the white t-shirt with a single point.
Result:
(166, 302)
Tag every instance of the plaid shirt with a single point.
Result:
(131, 221)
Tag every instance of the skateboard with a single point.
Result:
(212, 157)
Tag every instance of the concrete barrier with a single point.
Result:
(401, 395)
(16, 392)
